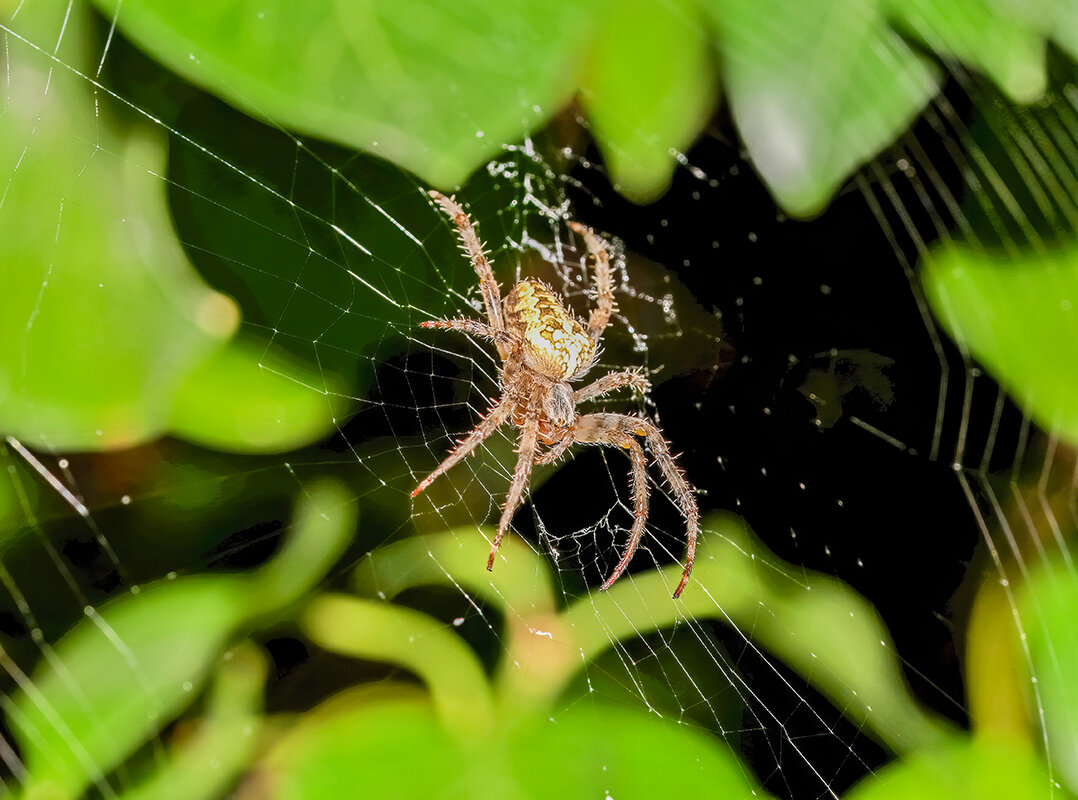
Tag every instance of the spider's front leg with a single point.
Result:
(604, 283)
(469, 241)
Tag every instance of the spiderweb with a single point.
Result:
(795, 368)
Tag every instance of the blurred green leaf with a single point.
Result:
(379, 631)
(242, 399)
(969, 769)
(125, 671)
(107, 336)
(436, 88)
(100, 317)
(204, 765)
(816, 87)
(994, 36)
(1016, 314)
(1048, 605)
(649, 86)
(520, 581)
(398, 749)
(815, 624)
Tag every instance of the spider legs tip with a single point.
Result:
(684, 580)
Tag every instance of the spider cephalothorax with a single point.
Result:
(543, 348)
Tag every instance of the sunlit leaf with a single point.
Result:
(125, 671)
(1018, 316)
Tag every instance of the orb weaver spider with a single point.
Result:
(544, 348)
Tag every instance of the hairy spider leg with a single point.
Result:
(560, 441)
(640, 507)
(604, 284)
(473, 327)
(473, 247)
(683, 493)
(490, 423)
(613, 429)
(529, 434)
(612, 382)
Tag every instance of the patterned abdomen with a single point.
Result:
(556, 345)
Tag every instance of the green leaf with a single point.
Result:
(434, 87)
(204, 765)
(398, 749)
(243, 400)
(379, 631)
(1016, 314)
(131, 666)
(520, 580)
(816, 87)
(101, 317)
(1006, 46)
(649, 87)
(1049, 604)
(107, 336)
(815, 624)
(968, 769)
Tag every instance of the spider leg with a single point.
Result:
(604, 284)
(614, 429)
(555, 452)
(640, 507)
(529, 434)
(469, 242)
(683, 493)
(473, 327)
(490, 423)
(611, 382)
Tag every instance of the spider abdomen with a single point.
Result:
(556, 345)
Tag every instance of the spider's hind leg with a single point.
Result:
(620, 430)
(490, 423)
(529, 435)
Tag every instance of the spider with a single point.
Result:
(543, 349)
